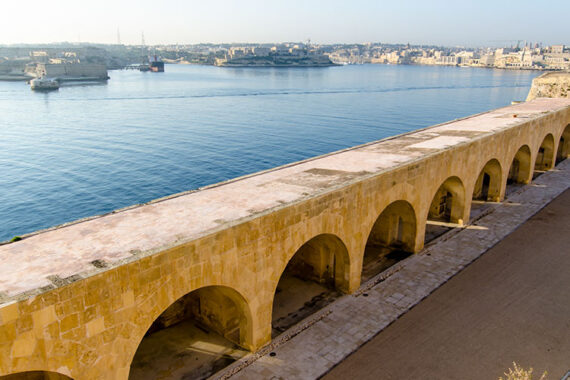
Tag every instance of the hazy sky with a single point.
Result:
(469, 23)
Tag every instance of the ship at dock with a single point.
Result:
(154, 65)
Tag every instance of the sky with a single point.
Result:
(438, 22)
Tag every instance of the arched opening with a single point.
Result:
(487, 187)
(35, 375)
(563, 146)
(519, 172)
(196, 336)
(446, 209)
(314, 277)
(545, 156)
(391, 239)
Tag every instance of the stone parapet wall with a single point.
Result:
(90, 325)
(550, 85)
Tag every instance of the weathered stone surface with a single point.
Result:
(237, 238)
(317, 347)
(550, 85)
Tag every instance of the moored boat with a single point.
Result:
(156, 65)
(44, 84)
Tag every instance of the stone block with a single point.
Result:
(96, 326)
(44, 317)
(9, 313)
(23, 346)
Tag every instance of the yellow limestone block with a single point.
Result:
(44, 317)
(24, 346)
(96, 326)
(128, 299)
(9, 313)
(69, 322)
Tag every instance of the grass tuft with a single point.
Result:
(519, 373)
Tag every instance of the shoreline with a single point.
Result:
(278, 65)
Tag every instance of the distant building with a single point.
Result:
(69, 71)
(280, 49)
(236, 52)
(261, 51)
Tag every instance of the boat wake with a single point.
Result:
(295, 93)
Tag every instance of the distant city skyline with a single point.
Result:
(437, 22)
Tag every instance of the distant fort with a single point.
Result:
(550, 85)
(69, 71)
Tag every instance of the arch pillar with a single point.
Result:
(391, 238)
(450, 203)
(489, 185)
(315, 274)
(545, 156)
(520, 170)
(563, 150)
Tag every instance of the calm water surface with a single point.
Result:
(86, 150)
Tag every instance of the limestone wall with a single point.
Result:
(91, 328)
(550, 85)
(72, 70)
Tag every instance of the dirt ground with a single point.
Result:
(183, 351)
(513, 304)
(296, 299)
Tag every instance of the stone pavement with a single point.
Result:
(312, 347)
(510, 305)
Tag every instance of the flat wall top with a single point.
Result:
(54, 257)
(555, 74)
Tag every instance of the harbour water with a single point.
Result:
(89, 149)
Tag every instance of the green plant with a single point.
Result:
(519, 373)
(16, 238)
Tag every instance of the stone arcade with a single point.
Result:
(76, 301)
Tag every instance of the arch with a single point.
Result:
(209, 325)
(323, 259)
(488, 185)
(519, 172)
(545, 155)
(36, 375)
(316, 274)
(563, 151)
(392, 238)
(448, 203)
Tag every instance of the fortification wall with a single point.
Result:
(79, 299)
(550, 85)
(73, 70)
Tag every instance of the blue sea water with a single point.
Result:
(90, 149)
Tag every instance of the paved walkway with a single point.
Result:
(513, 304)
(311, 348)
